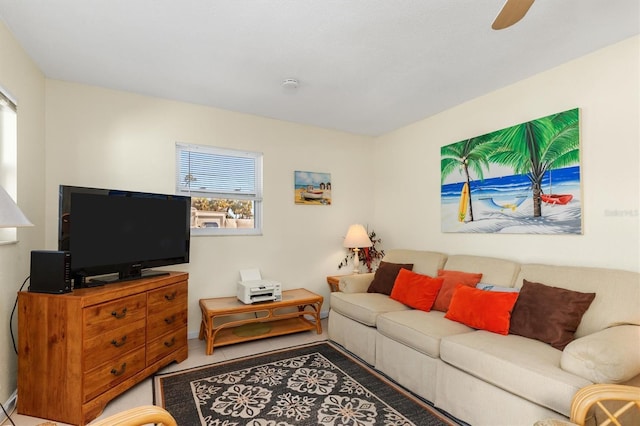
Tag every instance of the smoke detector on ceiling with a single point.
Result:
(290, 83)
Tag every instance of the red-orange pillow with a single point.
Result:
(416, 290)
(451, 280)
(486, 310)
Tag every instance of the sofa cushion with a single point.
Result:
(486, 310)
(495, 271)
(451, 281)
(424, 262)
(419, 330)
(364, 307)
(549, 314)
(416, 290)
(355, 283)
(608, 356)
(385, 277)
(525, 367)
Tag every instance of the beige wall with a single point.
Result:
(20, 77)
(605, 86)
(112, 139)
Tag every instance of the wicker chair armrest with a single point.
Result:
(596, 394)
(139, 416)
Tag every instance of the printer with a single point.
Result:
(259, 291)
(253, 289)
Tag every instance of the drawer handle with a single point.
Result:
(121, 315)
(171, 343)
(170, 320)
(119, 372)
(117, 344)
(171, 296)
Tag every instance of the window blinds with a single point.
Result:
(218, 173)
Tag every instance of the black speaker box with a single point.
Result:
(50, 271)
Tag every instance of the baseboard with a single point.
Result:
(9, 406)
(194, 334)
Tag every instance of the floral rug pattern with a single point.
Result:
(299, 389)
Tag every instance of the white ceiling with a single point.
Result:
(364, 66)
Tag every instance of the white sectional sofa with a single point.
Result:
(485, 378)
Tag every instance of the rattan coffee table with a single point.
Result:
(261, 320)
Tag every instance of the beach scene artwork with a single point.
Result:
(524, 179)
(312, 188)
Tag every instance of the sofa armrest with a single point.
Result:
(611, 355)
(356, 283)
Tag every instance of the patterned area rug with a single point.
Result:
(316, 384)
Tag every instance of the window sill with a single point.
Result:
(224, 232)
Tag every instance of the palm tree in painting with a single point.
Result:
(539, 146)
(465, 156)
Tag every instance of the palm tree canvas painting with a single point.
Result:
(524, 179)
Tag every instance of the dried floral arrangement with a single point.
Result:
(369, 256)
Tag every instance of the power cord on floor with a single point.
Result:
(7, 414)
(13, 340)
(15, 304)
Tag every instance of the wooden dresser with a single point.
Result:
(77, 351)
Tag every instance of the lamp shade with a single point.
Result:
(10, 214)
(357, 237)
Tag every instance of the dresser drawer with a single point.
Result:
(167, 309)
(166, 344)
(164, 297)
(112, 344)
(118, 313)
(162, 322)
(111, 373)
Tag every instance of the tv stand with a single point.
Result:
(77, 351)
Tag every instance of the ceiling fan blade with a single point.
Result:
(512, 12)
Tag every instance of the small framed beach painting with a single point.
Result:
(312, 188)
(524, 179)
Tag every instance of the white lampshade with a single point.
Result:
(357, 237)
(10, 214)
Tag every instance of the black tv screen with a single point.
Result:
(122, 232)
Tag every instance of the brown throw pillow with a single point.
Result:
(385, 277)
(548, 314)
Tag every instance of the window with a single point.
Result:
(225, 186)
(8, 155)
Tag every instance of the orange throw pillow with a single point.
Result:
(416, 290)
(486, 310)
(451, 280)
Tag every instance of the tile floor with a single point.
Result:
(141, 394)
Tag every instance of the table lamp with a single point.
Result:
(10, 214)
(356, 238)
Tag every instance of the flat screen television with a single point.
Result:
(111, 232)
